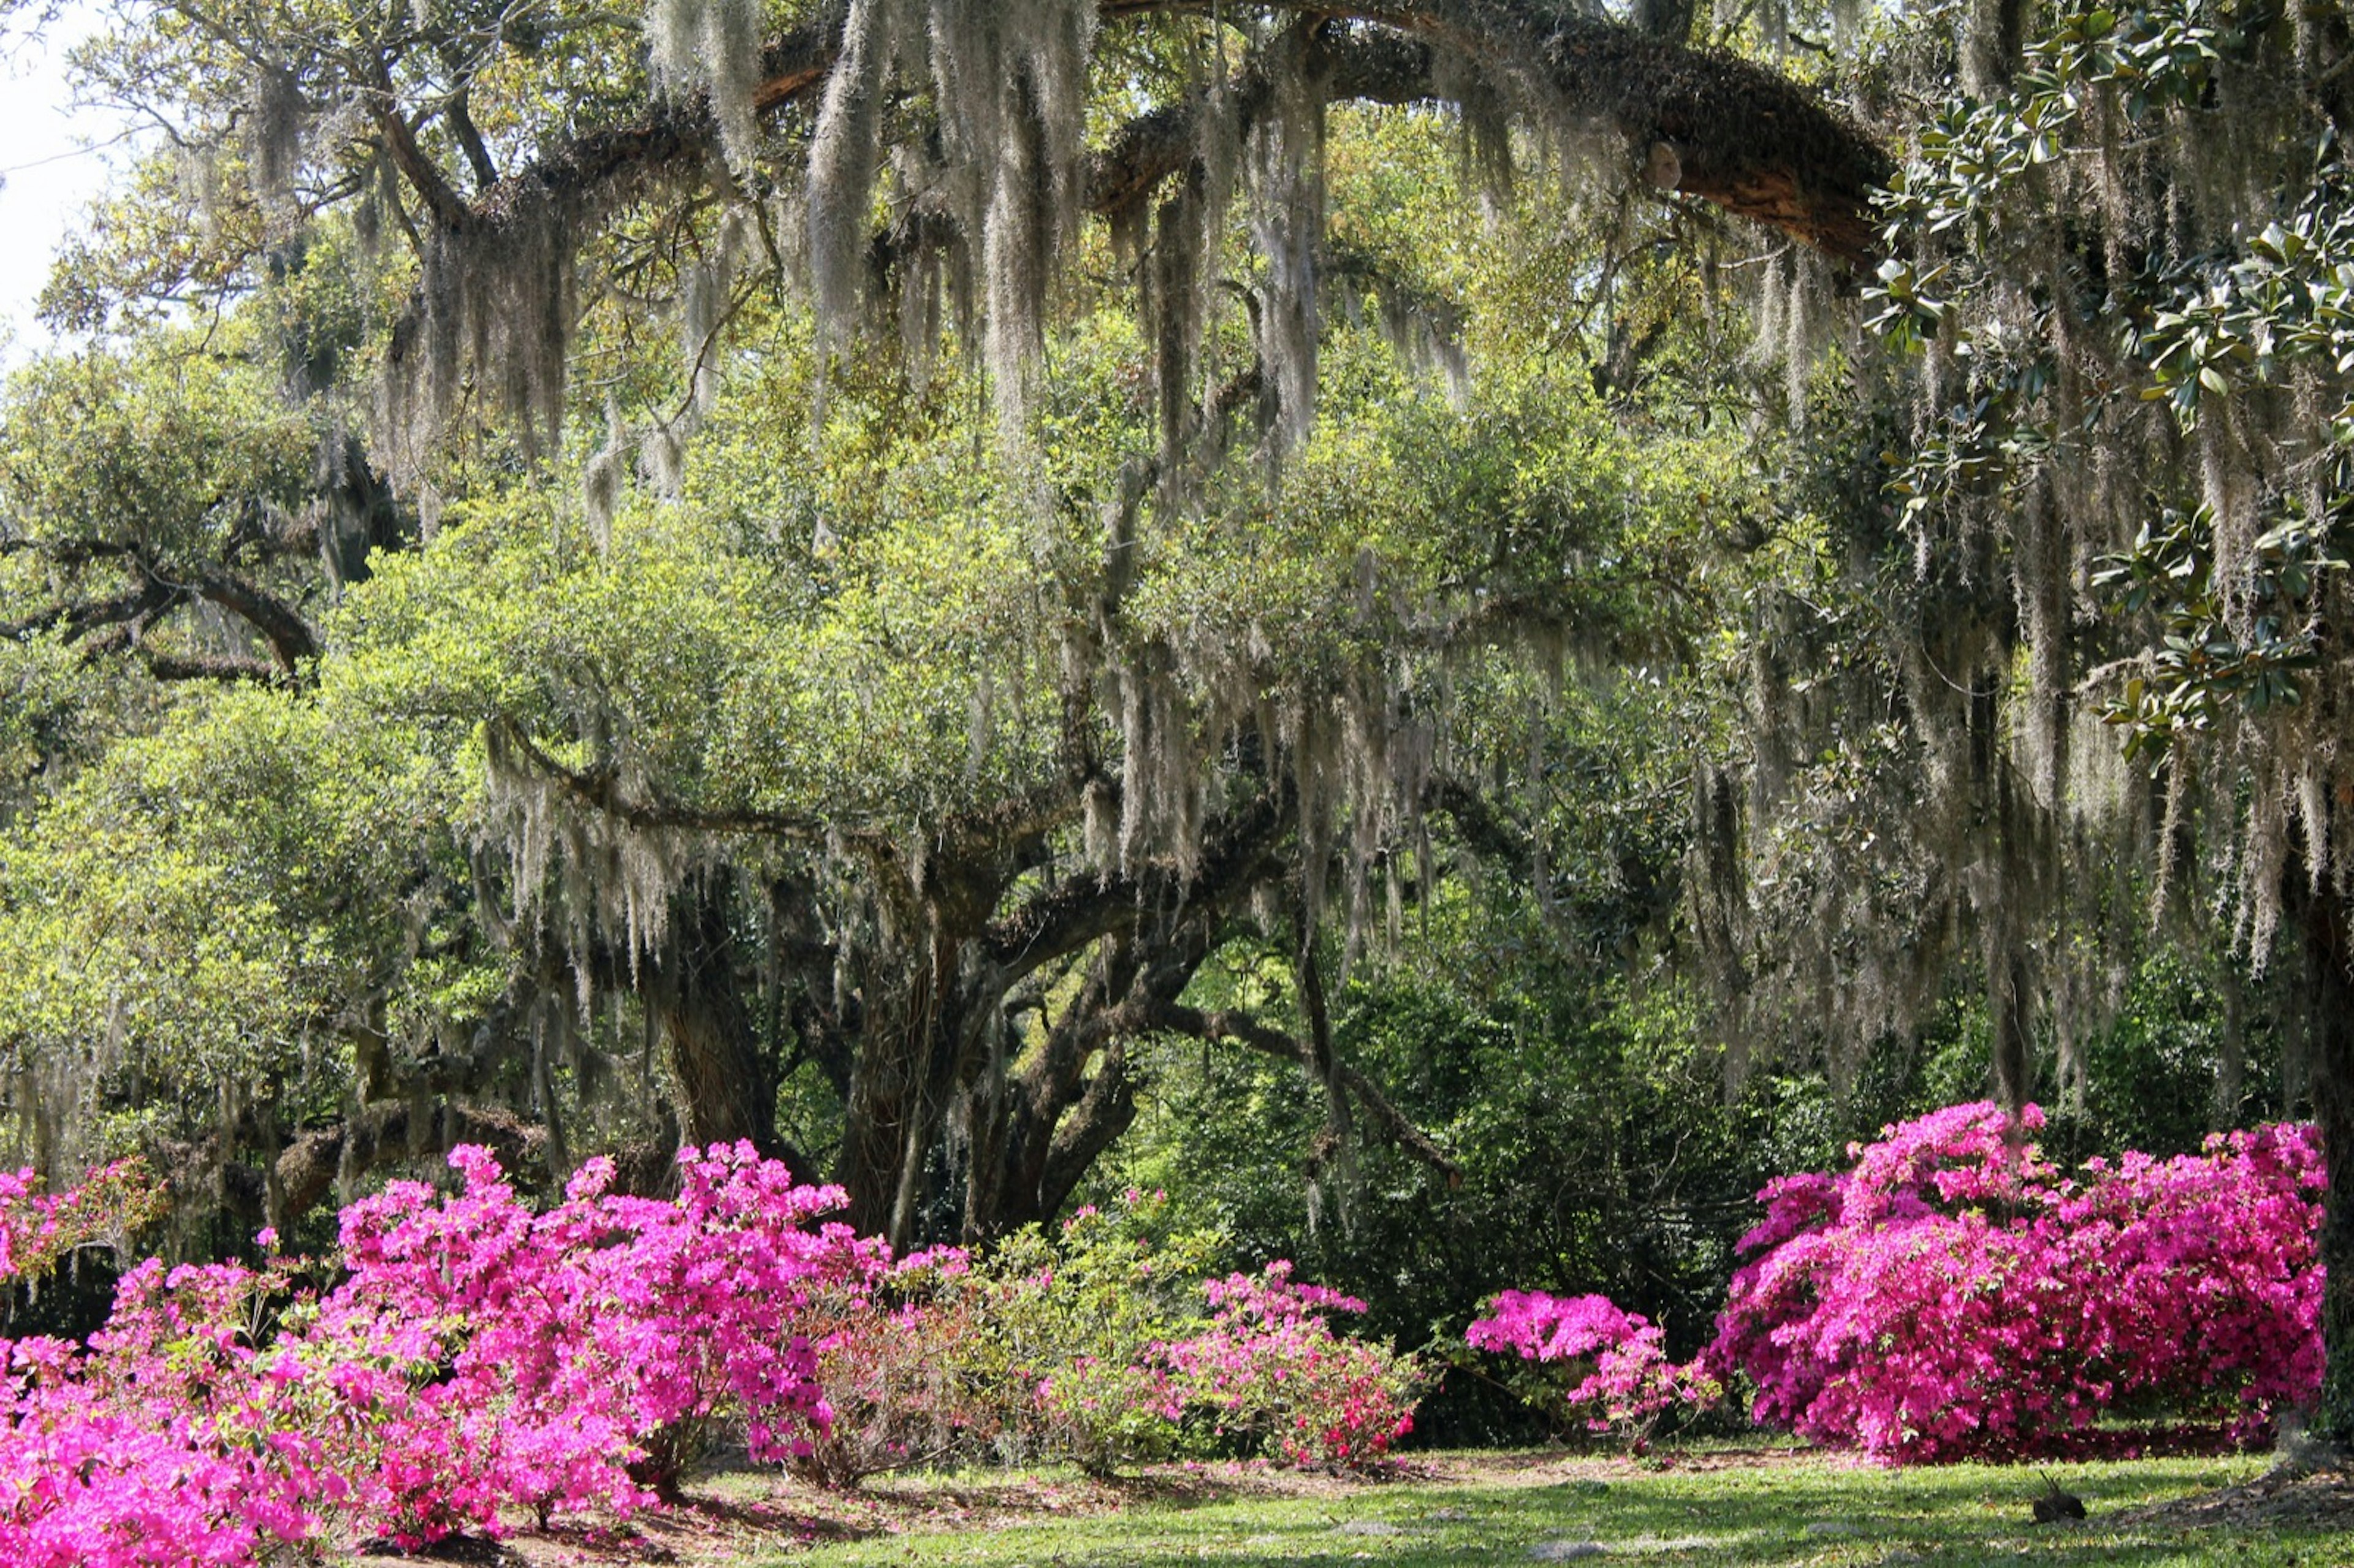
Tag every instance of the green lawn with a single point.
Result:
(1730, 1508)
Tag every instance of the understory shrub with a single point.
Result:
(1101, 1343)
(1075, 1321)
(1269, 1366)
(1620, 1379)
(898, 1357)
(1955, 1296)
(467, 1356)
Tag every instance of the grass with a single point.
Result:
(1753, 1505)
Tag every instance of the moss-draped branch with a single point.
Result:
(1734, 134)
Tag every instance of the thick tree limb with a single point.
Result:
(1699, 121)
(1702, 122)
(288, 635)
(1103, 1112)
(157, 589)
(1228, 1023)
(382, 1134)
(82, 617)
(1366, 68)
(424, 176)
(599, 789)
(208, 667)
(1083, 910)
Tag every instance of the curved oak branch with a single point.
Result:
(1702, 121)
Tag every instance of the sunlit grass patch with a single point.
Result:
(1760, 1506)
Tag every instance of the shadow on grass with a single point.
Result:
(1758, 1509)
(1730, 1509)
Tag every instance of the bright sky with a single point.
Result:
(50, 168)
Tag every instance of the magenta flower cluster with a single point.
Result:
(39, 1229)
(1957, 1295)
(475, 1356)
(1628, 1381)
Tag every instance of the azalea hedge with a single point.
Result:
(466, 1361)
(1955, 1296)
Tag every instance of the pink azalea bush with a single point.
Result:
(1955, 1296)
(581, 1342)
(1628, 1382)
(133, 1454)
(1101, 1343)
(897, 1356)
(39, 1230)
(475, 1356)
(1271, 1364)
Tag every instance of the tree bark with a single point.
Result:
(2232, 1051)
(2321, 915)
(889, 1115)
(726, 1082)
(306, 1171)
(2008, 994)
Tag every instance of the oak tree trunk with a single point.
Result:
(727, 1080)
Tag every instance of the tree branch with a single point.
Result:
(288, 635)
(208, 667)
(1486, 831)
(599, 789)
(1228, 1023)
(470, 140)
(1083, 908)
(424, 176)
(1729, 131)
(380, 1135)
(1103, 1113)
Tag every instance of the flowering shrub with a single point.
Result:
(1269, 1364)
(475, 1356)
(1955, 1295)
(1108, 1325)
(899, 1354)
(143, 1451)
(1091, 1344)
(39, 1230)
(1627, 1382)
(583, 1341)
(1074, 1326)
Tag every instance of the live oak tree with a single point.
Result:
(1124, 618)
(811, 745)
(1176, 770)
